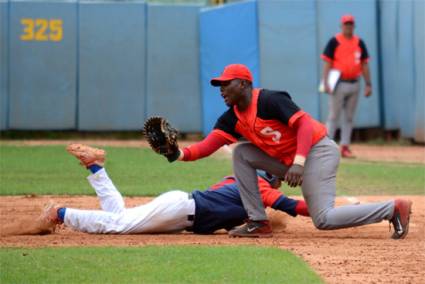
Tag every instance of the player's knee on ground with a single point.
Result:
(321, 223)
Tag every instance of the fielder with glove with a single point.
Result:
(287, 142)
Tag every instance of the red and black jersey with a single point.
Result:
(346, 55)
(269, 124)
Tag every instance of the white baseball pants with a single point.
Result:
(166, 213)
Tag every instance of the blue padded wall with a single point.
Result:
(329, 13)
(392, 100)
(173, 65)
(419, 47)
(402, 39)
(406, 67)
(3, 63)
(288, 50)
(111, 65)
(228, 34)
(42, 90)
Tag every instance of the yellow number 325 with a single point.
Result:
(41, 29)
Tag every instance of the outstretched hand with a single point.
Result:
(294, 176)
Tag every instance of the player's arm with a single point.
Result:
(304, 128)
(214, 141)
(366, 76)
(275, 199)
(223, 134)
(281, 106)
(365, 69)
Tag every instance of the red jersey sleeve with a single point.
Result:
(206, 147)
(269, 195)
(305, 131)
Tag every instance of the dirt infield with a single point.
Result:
(358, 255)
(402, 154)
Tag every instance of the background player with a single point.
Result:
(287, 142)
(348, 54)
(203, 212)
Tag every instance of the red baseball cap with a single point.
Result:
(232, 71)
(347, 19)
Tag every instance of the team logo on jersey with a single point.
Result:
(268, 131)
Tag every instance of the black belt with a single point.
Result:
(352, 81)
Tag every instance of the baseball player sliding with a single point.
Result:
(287, 142)
(202, 212)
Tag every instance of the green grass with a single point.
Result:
(169, 264)
(373, 178)
(50, 170)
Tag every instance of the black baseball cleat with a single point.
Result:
(253, 229)
(401, 218)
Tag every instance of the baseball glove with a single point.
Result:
(162, 137)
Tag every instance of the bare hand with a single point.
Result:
(294, 176)
(368, 91)
(328, 89)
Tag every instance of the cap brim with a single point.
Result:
(216, 82)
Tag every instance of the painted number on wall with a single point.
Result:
(41, 29)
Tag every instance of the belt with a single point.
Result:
(352, 81)
(190, 217)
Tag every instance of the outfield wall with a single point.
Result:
(402, 44)
(42, 65)
(288, 50)
(235, 25)
(4, 15)
(108, 65)
(111, 69)
(173, 85)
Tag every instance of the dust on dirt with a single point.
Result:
(357, 255)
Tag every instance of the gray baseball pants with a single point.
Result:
(318, 188)
(343, 100)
